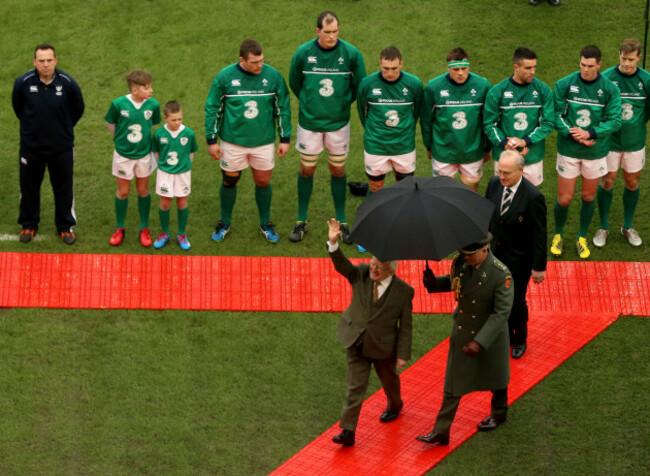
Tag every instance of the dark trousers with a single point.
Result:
(358, 373)
(499, 408)
(32, 170)
(518, 319)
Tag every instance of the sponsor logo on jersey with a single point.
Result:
(163, 140)
(184, 140)
(236, 82)
(376, 91)
(124, 113)
(444, 93)
(302, 146)
(508, 94)
(148, 114)
(164, 189)
(574, 89)
(121, 172)
(33, 89)
(341, 60)
(59, 90)
(186, 189)
(312, 59)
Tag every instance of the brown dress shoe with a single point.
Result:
(434, 438)
(490, 423)
(345, 438)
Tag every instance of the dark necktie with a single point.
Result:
(507, 200)
(375, 291)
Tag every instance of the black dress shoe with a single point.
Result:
(345, 438)
(434, 438)
(490, 423)
(532, 2)
(390, 415)
(518, 351)
(555, 3)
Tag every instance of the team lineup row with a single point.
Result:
(600, 120)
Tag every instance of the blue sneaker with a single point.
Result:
(361, 249)
(183, 242)
(161, 241)
(220, 231)
(268, 230)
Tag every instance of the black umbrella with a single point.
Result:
(421, 218)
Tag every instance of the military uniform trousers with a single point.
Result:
(499, 406)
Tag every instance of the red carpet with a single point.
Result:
(576, 302)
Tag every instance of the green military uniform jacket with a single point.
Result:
(484, 301)
(384, 333)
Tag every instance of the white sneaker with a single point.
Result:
(632, 236)
(600, 238)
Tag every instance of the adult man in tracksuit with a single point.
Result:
(48, 103)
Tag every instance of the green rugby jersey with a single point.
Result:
(525, 111)
(635, 109)
(452, 119)
(243, 108)
(174, 149)
(594, 106)
(389, 112)
(133, 125)
(325, 82)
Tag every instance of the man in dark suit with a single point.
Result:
(518, 226)
(375, 329)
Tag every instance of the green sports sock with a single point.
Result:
(560, 213)
(305, 187)
(183, 214)
(605, 198)
(586, 215)
(263, 197)
(164, 220)
(144, 208)
(120, 211)
(338, 184)
(630, 199)
(228, 197)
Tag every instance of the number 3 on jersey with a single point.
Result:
(460, 120)
(393, 118)
(136, 133)
(327, 90)
(172, 158)
(251, 112)
(584, 118)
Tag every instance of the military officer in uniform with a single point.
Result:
(478, 346)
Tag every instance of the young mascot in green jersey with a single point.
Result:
(130, 119)
(173, 148)
(389, 103)
(245, 103)
(452, 120)
(324, 75)
(627, 149)
(587, 111)
(519, 114)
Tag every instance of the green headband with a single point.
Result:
(458, 64)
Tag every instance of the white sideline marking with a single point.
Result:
(8, 237)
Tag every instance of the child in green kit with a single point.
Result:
(173, 148)
(130, 119)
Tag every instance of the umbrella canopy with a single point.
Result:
(421, 218)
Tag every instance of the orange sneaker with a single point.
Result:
(117, 237)
(145, 237)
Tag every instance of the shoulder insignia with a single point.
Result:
(508, 281)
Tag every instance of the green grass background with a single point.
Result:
(110, 392)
